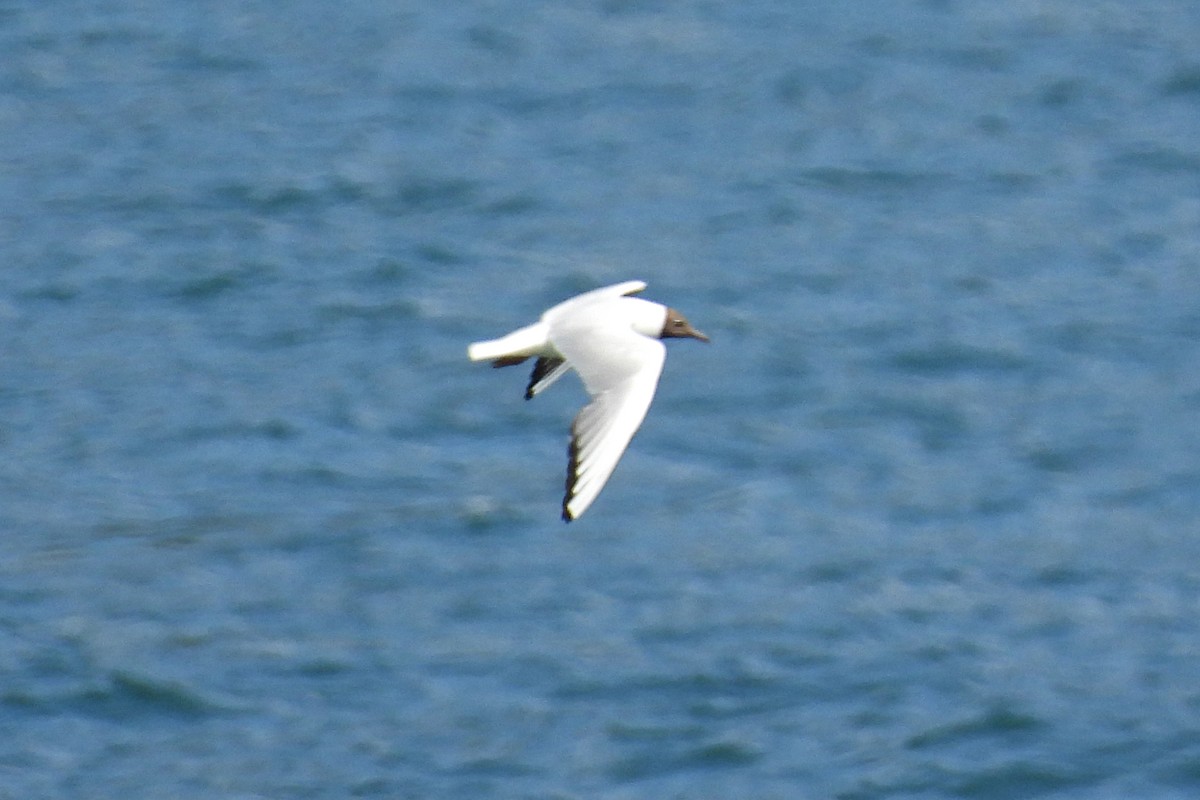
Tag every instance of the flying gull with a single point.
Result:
(612, 341)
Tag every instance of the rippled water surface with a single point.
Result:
(920, 523)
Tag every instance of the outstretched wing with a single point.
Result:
(603, 293)
(620, 369)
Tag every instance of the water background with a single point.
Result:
(922, 522)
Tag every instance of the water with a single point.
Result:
(920, 523)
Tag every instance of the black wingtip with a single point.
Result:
(541, 368)
(572, 465)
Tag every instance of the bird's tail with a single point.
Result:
(521, 343)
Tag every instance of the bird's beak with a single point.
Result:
(698, 335)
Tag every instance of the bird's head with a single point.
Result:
(676, 326)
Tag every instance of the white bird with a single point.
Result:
(612, 341)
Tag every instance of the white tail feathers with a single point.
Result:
(528, 341)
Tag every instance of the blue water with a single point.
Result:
(922, 522)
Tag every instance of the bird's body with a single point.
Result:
(612, 341)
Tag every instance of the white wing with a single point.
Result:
(603, 293)
(620, 369)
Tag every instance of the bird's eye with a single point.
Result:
(678, 323)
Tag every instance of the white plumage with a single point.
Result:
(612, 341)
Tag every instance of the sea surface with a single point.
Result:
(923, 521)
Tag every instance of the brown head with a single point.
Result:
(677, 327)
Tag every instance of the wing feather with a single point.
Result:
(622, 289)
(620, 369)
(546, 370)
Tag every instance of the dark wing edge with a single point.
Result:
(541, 368)
(572, 465)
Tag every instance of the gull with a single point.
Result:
(612, 340)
